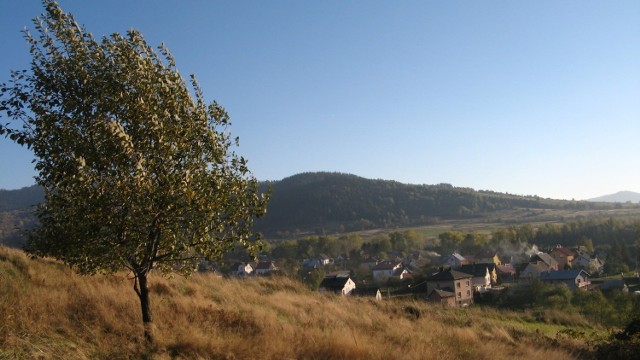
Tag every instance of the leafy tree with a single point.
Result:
(451, 240)
(138, 171)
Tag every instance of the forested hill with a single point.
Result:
(333, 202)
(342, 202)
(16, 213)
(20, 199)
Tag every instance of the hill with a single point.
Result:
(334, 202)
(49, 312)
(16, 213)
(20, 199)
(620, 197)
(324, 202)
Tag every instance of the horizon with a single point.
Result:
(520, 98)
(455, 186)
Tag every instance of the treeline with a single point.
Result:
(612, 309)
(333, 202)
(615, 240)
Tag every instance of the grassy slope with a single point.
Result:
(48, 312)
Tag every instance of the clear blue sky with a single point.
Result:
(525, 97)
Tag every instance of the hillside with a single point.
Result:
(334, 202)
(325, 202)
(20, 199)
(49, 312)
(620, 197)
(16, 213)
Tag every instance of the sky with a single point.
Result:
(522, 97)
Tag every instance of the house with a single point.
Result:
(453, 281)
(241, 269)
(390, 269)
(563, 255)
(324, 259)
(444, 296)
(551, 263)
(533, 271)
(591, 264)
(506, 273)
(487, 257)
(265, 267)
(481, 280)
(338, 283)
(454, 260)
(574, 279)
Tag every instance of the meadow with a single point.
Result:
(49, 312)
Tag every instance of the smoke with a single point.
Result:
(515, 253)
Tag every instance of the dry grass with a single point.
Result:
(48, 312)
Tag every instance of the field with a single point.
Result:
(48, 312)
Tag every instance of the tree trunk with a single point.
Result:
(142, 290)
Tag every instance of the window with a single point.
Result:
(459, 294)
(467, 282)
(458, 284)
(468, 293)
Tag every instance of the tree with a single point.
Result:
(138, 172)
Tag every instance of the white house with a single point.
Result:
(241, 269)
(265, 267)
(387, 269)
(337, 283)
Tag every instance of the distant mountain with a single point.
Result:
(620, 196)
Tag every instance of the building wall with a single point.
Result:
(463, 288)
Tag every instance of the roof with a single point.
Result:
(562, 274)
(545, 258)
(448, 274)
(335, 283)
(476, 270)
(539, 266)
(443, 293)
(485, 254)
(457, 256)
(506, 269)
(387, 265)
(564, 250)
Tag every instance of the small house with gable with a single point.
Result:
(452, 281)
(446, 297)
(337, 283)
(454, 260)
(389, 269)
(265, 267)
(574, 279)
(241, 269)
(563, 255)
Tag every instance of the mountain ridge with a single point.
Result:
(620, 196)
(332, 202)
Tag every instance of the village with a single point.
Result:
(454, 280)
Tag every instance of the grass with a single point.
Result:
(48, 312)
